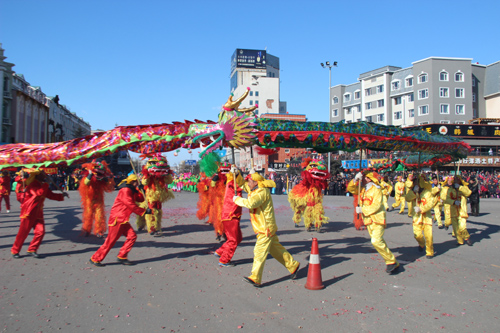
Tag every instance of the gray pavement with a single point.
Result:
(177, 285)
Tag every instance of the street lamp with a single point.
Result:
(328, 65)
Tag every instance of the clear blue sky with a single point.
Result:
(146, 62)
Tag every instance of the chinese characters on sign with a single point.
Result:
(480, 161)
(463, 130)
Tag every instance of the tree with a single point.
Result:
(79, 132)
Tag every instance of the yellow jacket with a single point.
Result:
(399, 188)
(372, 206)
(386, 188)
(450, 195)
(260, 205)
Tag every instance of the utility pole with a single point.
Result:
(328, 65)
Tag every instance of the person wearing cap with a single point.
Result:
(32, 192)
(386, 190)
(421, 193)
(438, 206)
(474, 197)
(399, 194)
(409, 185)
(374, 214)
(454, 195)
(5, 190)
(118, 223)
(260, 205)
(231, 215)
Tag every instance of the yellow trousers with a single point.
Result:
(384, 201)
(376, 232)
(400, 200)
(461, 231)
(437, 214)
(263, 247)
(410, 208)
(421, 231)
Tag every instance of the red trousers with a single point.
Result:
(24, 230)
(234, 237)
(7, 201)
(114, 233)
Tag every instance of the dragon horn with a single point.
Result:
(232, 105)
(247, 110)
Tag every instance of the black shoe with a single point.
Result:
(223, 238)
(99, 235)
(446, 227)
(217, 238)
(453, 236)
(469, 242)
(309, 229)
(157, 234)
(125, 262)
(318, 229)
(392, 268)
(87, 234)
(226, 264)
(297, 225)
(140, 229)
(96, 263)
(34, 255)
(420, 249)
(293, 276)
(429, 257)
(252, 282)
(16, 256)
(440, 226)
(152, 233)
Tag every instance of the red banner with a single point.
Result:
(50, 171)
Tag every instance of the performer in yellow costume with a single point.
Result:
(386, 191)
(409, 185)
(260, 205)
(438, 207)
(454, 195)
(373, 211)
(399, 194)
(421, 192)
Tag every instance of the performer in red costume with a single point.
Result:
(5, 190)
(97, 179)
(231, 215)
(32, 193)
(118, 223)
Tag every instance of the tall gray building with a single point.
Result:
(433, 90)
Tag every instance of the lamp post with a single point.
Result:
(328, 65)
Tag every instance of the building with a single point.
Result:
(6, 72)
(260, 71)
(434, 90)
(63, 124)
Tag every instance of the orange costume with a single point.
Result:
(32, 194)
(97, 179)
(118, 223)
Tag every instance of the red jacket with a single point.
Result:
(231, 210)
(4, 185)
(33, 198)
(125, 205)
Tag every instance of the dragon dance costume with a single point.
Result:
(97, 179)
(306, 198)
(399, 195)
(454, 195)
(156, 176)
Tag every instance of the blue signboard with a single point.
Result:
(354, 164)
(190, 162)
(222, 152)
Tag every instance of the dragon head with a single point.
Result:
(156, 166)
(99, 169)
(224, 168)
(316, 169)
(235, 128)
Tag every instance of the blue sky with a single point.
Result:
(146, 62)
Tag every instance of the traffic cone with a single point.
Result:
(314, 281)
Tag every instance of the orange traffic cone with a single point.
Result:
(314, 281)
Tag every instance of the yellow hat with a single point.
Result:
(261, 181)
(131, 178)
(373, 177)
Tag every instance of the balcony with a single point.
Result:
(7, 94)
(6, 122)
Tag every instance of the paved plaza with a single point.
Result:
(177, 285)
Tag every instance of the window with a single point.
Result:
(335, 100)
(256, 94)
(444, 122)
(423, 94)
(473, 81)
(335, 113)
(459, 77)
(474, 97)
(287, 151)
(380, 103)
(251, 93)
(423, 110)
(422, 78)
(411, 113)
(395, 85)
(368, 92)
(397, 100)
(460, 122)
(443, 76)
(444, 109)
(380, 117)
(398, 115)
(251, 102)
(368, 105)
(380, 89)
(410, 97)
(347, 111)
(357, 94)
(444, 92)
(459, 92)
(459, 109)
(409, 81)
(369, 118)
(347, 97)
(423, 123)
